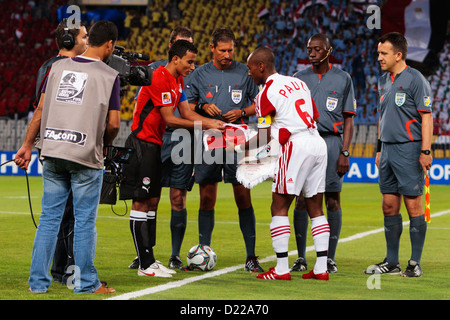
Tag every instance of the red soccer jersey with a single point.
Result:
(165, 91)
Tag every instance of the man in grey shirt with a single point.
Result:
(222, 89)
(332, 91)
(403, 153)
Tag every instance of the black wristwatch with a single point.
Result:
(243, 114)
(345, 153)
(426, 152)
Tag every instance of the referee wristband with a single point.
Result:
(379, 145)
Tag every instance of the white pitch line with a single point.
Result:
(211, 274)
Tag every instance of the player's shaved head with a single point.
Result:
(261, 64)
(263, 55)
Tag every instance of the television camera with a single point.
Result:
(130, 72)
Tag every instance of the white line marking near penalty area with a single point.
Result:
(211, 274)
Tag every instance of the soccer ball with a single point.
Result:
(201, 257)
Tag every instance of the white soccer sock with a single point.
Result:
(280, 232)
(321, 235)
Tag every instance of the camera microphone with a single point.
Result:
(142, 56)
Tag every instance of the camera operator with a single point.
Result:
(142, 175)
(71, 42)
(80, 97)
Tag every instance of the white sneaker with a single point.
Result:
(154, 271)
(165, 269)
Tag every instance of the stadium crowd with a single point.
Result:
(27, 41)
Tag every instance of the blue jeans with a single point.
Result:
(59, 177)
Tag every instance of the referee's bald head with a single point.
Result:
(321, 37)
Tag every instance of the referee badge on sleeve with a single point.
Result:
(427, 101)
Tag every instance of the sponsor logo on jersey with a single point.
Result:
(331, 103)
(166, 98)
(236, 96)
(427, 101)
(71, 87)
(63, 135)
(400, 98)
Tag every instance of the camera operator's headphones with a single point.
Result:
(68, 40)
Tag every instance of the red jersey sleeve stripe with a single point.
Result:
(265, 106)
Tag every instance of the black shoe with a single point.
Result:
(331, 266)
(175, 263)
(383, 268)
(252, 265)
(412, 270)
(300, 265)
(134, 264)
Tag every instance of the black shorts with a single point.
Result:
(179, 174)
(224, 167)
(142, 174)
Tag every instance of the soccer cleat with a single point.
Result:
(331, 266)
(272, 275)
(412, 270)
(163, 268)
(383, 268)
(134, 264)
(299, 265)
(175, 263)
(252, 265)
(154, 271)
(318, 276)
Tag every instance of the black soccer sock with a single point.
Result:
(301, 221)
(393, 228)
(178, 221)
(205, 226)
(417, 232)
(140, 233)
(247, 224)
(151, 228)
(335, 222)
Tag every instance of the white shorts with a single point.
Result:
(301, 166)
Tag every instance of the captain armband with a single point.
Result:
(264, 122)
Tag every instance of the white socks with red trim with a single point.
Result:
(280, 232)
(321, 235)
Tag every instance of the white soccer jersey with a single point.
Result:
(302, 160)
(288, 101)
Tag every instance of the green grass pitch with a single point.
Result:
(361, 213)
